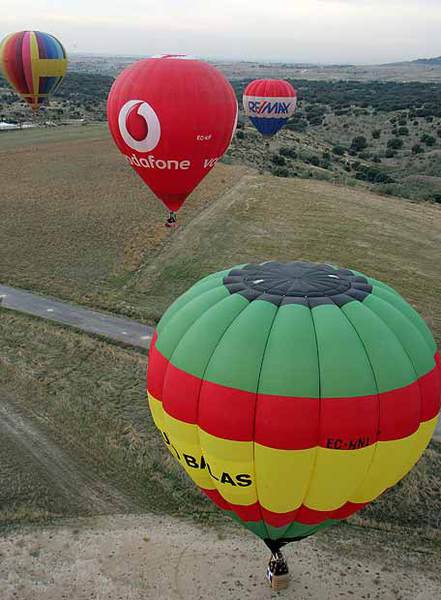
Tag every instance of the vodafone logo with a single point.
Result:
(152, 125)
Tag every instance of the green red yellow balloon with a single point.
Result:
(293, 393)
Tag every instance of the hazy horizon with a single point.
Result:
(305, 31)
(260, 60)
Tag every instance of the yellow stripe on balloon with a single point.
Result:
(34, 64)
(182, 440)
(227, 460)
(322, 479)
(276, 470)
(157, 411)
(51, 67)
(337, 474)
(392, 460)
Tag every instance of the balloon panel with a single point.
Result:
(293, 394)
(34, 63)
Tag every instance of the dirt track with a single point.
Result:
(35, 452)
(151, 557)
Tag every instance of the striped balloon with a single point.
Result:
(269, 103)
(34, 63)
(293, 393)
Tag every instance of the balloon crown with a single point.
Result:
(298, 282)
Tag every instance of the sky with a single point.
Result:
(319, 31)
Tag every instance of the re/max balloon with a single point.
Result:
(34, 63)
(269, 103)
(173, 118)
(293, 393)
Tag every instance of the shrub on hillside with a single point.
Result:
(373, 175)
(359, 143)
(297, 123)
(428, 139)
(395, 144)
(376, 133)
(417, 149)
(315, 113)
(288, 152)
(281, 172)
(278, 160)
(313, 160)
(338, 150)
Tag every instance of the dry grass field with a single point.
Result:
(75, 433)
(76, 220)
(77, 223)
(76, 436)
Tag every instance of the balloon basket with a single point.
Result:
(277, 572)
(171, 222)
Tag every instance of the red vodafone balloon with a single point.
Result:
(173, 118)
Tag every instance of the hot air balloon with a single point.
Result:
(173, 118)
(293, 394)
(34, 63)
(269, 103)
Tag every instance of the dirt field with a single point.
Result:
(159, 558)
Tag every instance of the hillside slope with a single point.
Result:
(264, 217)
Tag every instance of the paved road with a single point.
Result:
(120, 329)
(116, 328)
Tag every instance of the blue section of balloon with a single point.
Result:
(267, 127)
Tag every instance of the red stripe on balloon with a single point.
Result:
(338, 423)
(14, 63)
(430, 386)
(157, 365)
(304, 515)
(271, 88)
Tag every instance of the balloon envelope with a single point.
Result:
(173, 118)
(34, 63)
(293, 393)
(269, 103)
